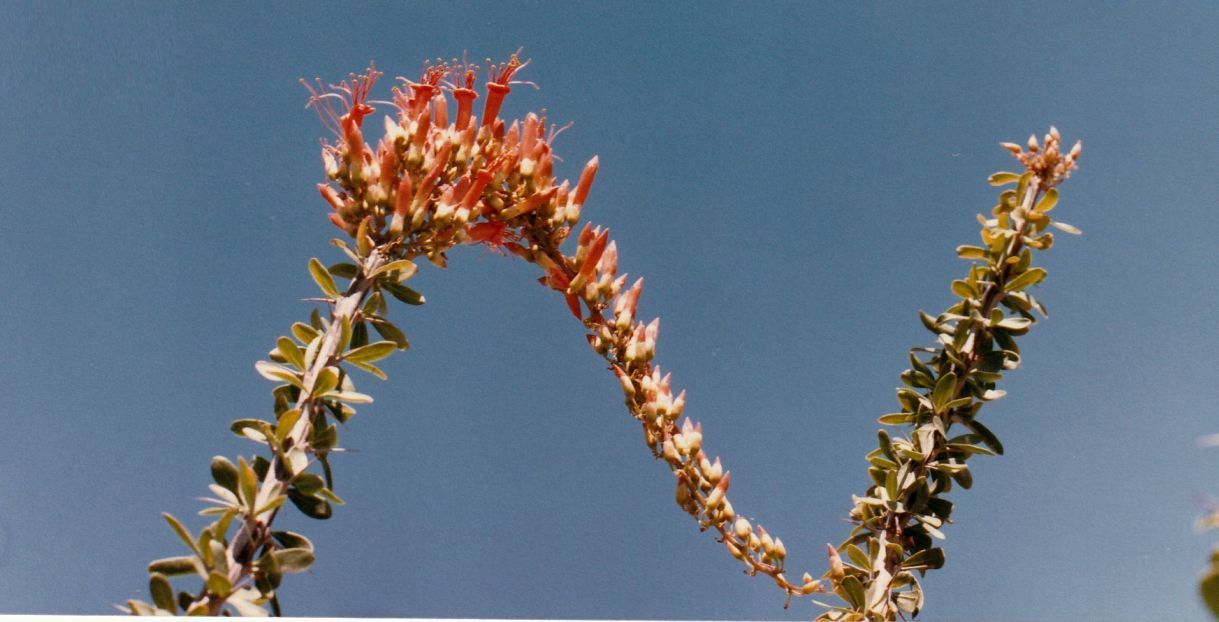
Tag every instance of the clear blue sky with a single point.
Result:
(791, 179)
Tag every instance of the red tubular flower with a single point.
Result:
(465, 95)
(344, 117)
(528, 205)
(586, 180)
(499, 85)
(529, 137)
(594, 255)
(421, 130)
(421, 92)
(389, 161)
(493, 234)
(331, 196)
(476, 190)
(429, 180)
(337, 221)
(402, 204)
(440, 107)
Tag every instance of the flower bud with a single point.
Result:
(742, 528)
(734, 550)
(670, 451)
(837, 570)
(727, 513)
(716, 471)
(586, 181)
(682, 494)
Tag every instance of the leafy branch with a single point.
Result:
(902, 513)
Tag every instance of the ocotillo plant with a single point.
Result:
(440, 177)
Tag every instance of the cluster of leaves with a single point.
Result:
(899, 518)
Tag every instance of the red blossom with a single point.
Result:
(343, 106)
(499, 84)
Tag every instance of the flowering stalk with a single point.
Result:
(900, 515)
(428, 186)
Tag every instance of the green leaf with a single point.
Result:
(886, 445)
(1030, 277)
(269, 573)
(173, 566)
(1062, 226)
(293, 560)
(308, 483)
(344, 270)
(303, 332)
(1004, 178)
(271, 371)
(326, 381)
(344, 333)
(404, 293)
(896, 418)
(292, 540)
(329, 495)
(392, 333)
(323, 279)
(220, 560)
(964, 289)
(1048, 201)
(221, 528)
(1015, 323)
(310, 506)
(370, 368)
(180, 529)
(225, 473)
(291, 352)
(359, 334)
(348, 396)
(286, 421)
(925, 559)
(248, 481)
(968, 449)
(852, 592)
(250, 428)
(966, 480)
(983, 432)
(219, 585)
(405, 267)
(162, 592)
(944, 389)
(372, 352)
(971, 252)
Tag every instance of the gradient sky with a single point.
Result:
(790, 178)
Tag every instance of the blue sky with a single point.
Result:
(790, 178)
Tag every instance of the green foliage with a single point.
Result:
(901, 516)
